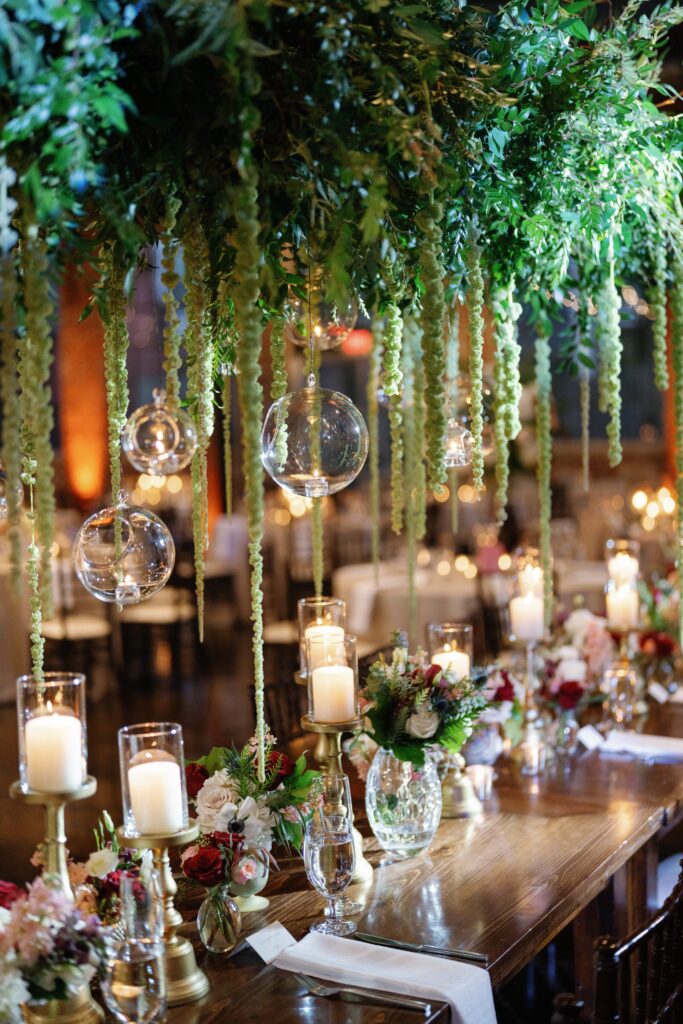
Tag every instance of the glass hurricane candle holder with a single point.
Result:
(319, 617)
(333, 679)
(620, 685)
(450, 646)
(623, 561)
(622, 601)
(53, 753)
(152, 762)
(527, 622)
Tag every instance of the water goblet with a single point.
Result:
(334, 796)
(620, 685)
(134, 983)
(329, 859)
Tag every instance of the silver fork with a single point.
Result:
(363, 994)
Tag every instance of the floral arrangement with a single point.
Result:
(49, 949)
(409, 705)
(660, 601)
(231, 799)
(585, 649)
(221, 858)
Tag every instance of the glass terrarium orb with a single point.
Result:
(4, 487)
(458, 445)
(464, 414)
(329, 323)
(158, 441)
(314, 441)
(123, 554)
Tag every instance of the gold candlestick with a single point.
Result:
(457, 792)
(332, 733)
(184, 981)
(55, 835)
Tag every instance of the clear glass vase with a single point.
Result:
(403, 803)
(566, 737)
(219, 920)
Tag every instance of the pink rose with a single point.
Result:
(292, 814)
(244, 870)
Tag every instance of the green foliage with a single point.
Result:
(544, 466)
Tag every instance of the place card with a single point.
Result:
(658, 692)
(589, 737)
(269, 942)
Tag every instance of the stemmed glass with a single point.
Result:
(134, 984)
(334, 795)
(329, 858)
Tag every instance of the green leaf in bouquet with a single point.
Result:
(409, 751)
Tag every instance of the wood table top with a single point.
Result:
(503, 884)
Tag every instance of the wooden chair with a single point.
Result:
(284, 704)
(639, 980)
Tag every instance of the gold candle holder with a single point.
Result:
(457, 792)
(80, 1008)
(184, 981)
(332, 733)
(54, 835)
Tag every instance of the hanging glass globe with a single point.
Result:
(458, 445)
(464, 416)
(158, 441)
(329, 323)
(123, 554)
(4, 488)
(314, 441)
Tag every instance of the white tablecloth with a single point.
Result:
(376, 611)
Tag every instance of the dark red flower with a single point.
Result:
(195, 777)
(506, 691)
(230, 840)
(205, 867)
(431, 673)
(657, 645)
(9, 892)
(569, 695)
(280, 763)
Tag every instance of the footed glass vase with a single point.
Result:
(403, 803)
(219, 920)
(246, 895)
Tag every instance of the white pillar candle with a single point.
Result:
(327, 637)
(530, 580)
(623, 568)
(623, 605)
(333, 690)
(526, 617)
(458, 662)
(156, 796)
(54, 762)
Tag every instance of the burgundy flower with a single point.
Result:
(569, 695)
(195, 777)
(506, 691)
(656, 644)
(280, 763)
(230, 840)
(9, 892)
(205, 867)
(431, 673)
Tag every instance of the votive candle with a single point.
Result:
(527, 621)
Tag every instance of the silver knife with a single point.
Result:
(457, 954)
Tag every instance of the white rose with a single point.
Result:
(577, 625)
(101, 862)
(571, 670)
(216, 791)
(423, 723)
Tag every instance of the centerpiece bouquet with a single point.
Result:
(241, 818)
(49, 949)
(658, 643)
(503, 714)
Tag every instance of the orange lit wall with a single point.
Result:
(82, 398)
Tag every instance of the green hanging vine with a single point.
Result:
(475, 320)
(610, 362)
(411, 484)
(585, 406)
(250, 329)
(657, 300)
(113, 310)
(434, 355)
(508, 388)
(227, 439)
(36, 397)
(414, 338)
(11, 419)
(170, 280)
(452, 371)
(28, 478)
(393, 377)
(375, 363)
(677, 362)
(544, 467)
(200, 388)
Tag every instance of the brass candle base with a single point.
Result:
(332, 733)
(77, 1009)
(457, 792)
(184, 981)
(55, 836)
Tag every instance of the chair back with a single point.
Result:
(640, 980)
(284, 704)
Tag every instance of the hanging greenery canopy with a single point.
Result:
(411, 155)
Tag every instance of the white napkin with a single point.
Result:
(465, 987)
(666, 748)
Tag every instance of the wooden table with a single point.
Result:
(503, 884)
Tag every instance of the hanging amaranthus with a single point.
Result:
(475, 320)
(28, 478)
(11, 420)
(227, 439)
(452, 371)
(508, 387)
(434, 355)
(392, 389)
(677, 362)
(115, 370)
(414, 338)
(657, 300)
(585, 405)
(610, 362)
(373, 455)
(411, 483)
(36, 397)
(544, 466)
(200, 387)
(250, 328)
(170, 280)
